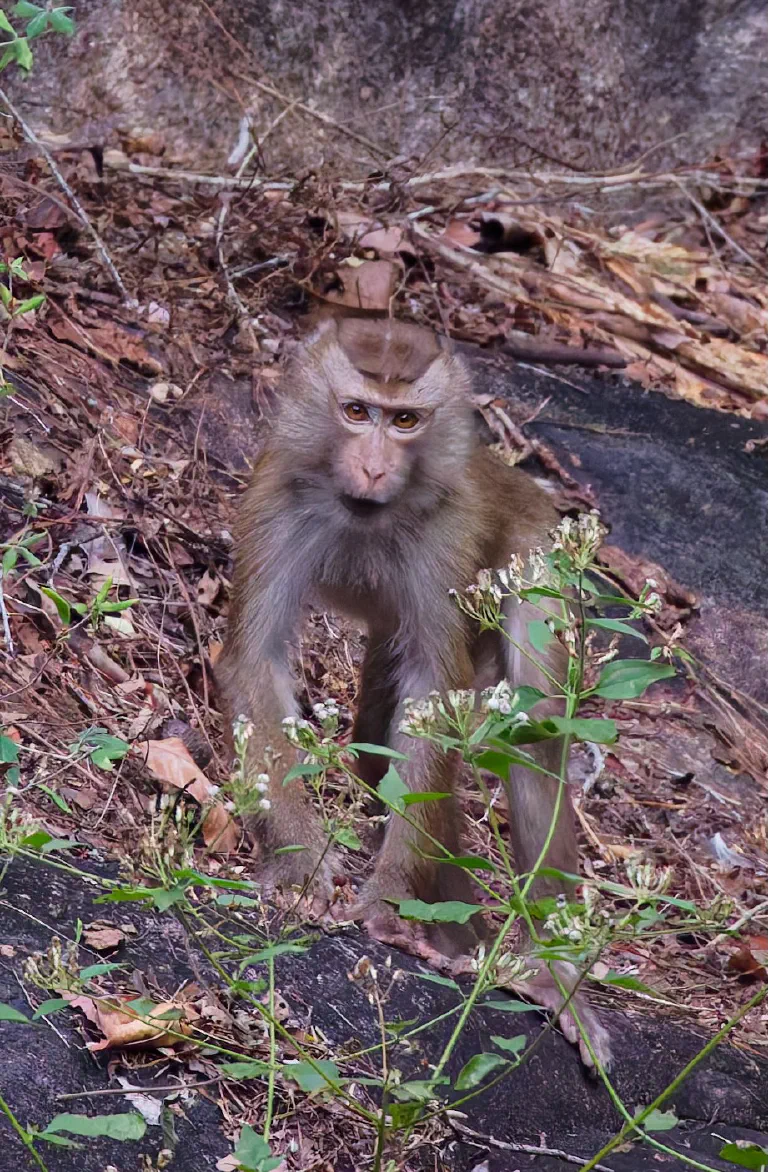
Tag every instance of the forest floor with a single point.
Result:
(133, 399)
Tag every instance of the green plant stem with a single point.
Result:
(634, 1124)
(272, 1051)
(469, 1004)
(285, 1034)
(24, 1135)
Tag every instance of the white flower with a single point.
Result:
(265, 804)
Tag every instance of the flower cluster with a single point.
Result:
(327, 716)
(579, 538)
(581, 925)
(242, 731)
(646, 880)
(452, 714)
(482, 600)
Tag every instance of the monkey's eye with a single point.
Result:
(405, 420)
(356, 412)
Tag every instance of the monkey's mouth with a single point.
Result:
(362, 506)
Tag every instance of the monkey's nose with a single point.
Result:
(373, 477)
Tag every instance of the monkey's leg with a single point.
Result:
(256, 681)
(408, 865)
(533, 799)
(376, 706)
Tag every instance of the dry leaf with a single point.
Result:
(103, 937)
(459, 232)
(125, 1029)
(386, 241)
(369, 284)
(170, 762)
(750, 960)
(207, 589)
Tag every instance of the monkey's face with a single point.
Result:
(379, 442)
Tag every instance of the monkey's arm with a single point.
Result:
(256, 681)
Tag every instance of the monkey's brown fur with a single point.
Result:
(380, 516)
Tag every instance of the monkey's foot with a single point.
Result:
(540, 988)
(302, 881)
(434, 943)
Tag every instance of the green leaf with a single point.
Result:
(471, 863)
(10, 557)
(23, 54)
(253, 1153)
(510, 1006)
(249, 1069)
(36, 840)
(434, 979)
(626, 679)
(60, 22)
(626, 982)
(8, 1013)
(617, 625)
(746, 1155)
(273, 950)
(29, 557)
(310, 1077)
(52, 1005)
(377, 750)
(37, 25)
(9, 751)
(293, 848)
(602, 732)
(99, 969)
(392, 790)
(61, 604)
(452, 911)
(346, 836)
(303, 770)
(418, 1090)
(59, 844)
(660, 1120)
(117, 607)
(410, 799)
(6, 26)
(120, 1126)
(26, 10)
(539, 635)
(141, 1006)
(477, 1069)
(55, 798)
(511, 1045)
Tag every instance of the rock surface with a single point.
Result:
(590, 84)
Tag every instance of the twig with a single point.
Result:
(717, 227)
(6, 622)
(558, 354)
(30, 135)
(503, 1145)
(742, 922)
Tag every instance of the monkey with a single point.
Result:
(375, 493)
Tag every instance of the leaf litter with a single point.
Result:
(128, 429)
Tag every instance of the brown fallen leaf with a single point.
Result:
(386, 241)
(121, 1028)
(367, 284)
(750, 959)
(170, 761)
(102, 936)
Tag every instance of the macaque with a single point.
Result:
(375, 495)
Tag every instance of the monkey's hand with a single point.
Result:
(540, 987)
